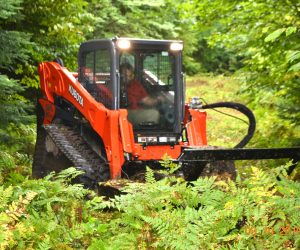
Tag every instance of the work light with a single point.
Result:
(123, 44)
(176, 46)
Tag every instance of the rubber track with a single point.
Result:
(78, 152)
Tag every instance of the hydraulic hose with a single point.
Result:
(244, 110)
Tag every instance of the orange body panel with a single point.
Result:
(49, 111)
(111, 125)
(196, 128)
(156, 152)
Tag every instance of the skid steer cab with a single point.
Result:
(125, 108)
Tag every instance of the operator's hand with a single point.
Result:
(150, 101)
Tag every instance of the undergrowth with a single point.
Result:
(259, 212)
(272, 130)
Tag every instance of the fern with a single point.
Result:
(168, 163)
(45, 244)
(149, 176)
(68, 174)
(204, 184)
(259, 212)
(5, 196)
(6, 161)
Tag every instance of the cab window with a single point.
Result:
(96, 76)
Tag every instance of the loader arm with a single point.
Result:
(58, 81)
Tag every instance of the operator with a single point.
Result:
(88, 75)
(138, 98)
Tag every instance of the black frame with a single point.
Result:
(218, 154)
(96, 45)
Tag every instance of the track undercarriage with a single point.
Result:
(62, 146)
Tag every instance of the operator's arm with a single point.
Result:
(136, 93)
(151, 101)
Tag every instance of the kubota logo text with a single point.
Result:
(75, 94)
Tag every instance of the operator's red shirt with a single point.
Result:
(136, 92)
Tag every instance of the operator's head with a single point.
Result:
(127, 72)
(88, 74)
(86, 69)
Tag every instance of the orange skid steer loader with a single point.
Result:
(124, 109)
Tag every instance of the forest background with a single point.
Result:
(257, 42)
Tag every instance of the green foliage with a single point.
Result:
(16, 132)
(207, 214)
(266, 35)
(169, 165)
(120, 18)
(56, 28)
(43, 214)
(9, 8)
(162, 19)
(258, 212)
(224, 131)
(14, 44)
(14, 108)
(204, 56)
(14, 168)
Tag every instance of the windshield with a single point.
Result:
(147, 89)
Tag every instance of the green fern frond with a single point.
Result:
(149, 176)
(68, 174)
(204, 184)
(49, 176)
(168, 163)
(6, 161)
(5, 196)
(45, 244)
